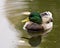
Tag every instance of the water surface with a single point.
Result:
(15, 7)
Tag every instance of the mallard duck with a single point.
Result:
(38, 24)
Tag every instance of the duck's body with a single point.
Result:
(44, 27)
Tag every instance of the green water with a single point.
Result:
(53, 38)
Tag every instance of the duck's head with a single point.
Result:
(39, 22)
(35, 17)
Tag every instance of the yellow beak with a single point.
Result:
(25, 20)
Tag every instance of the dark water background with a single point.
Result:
(15, 7)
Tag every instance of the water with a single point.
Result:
(15, 7)
(8, 34)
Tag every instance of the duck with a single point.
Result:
(37, 25)
(38, 22)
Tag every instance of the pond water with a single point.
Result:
(15, 7)
(8, 35)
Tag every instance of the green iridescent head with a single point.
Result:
(35, 17)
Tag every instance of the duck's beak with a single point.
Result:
(25, 20)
